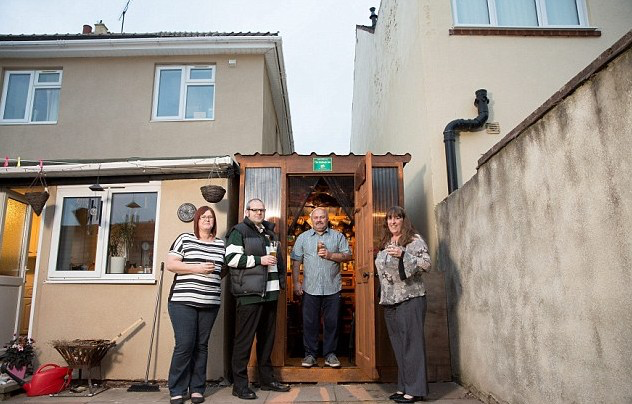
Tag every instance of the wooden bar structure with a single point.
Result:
(370, 184)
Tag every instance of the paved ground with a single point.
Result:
(444, 393)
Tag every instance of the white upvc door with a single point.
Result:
(15, 220)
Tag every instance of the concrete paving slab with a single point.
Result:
(360, 393)
(370, 392)
(443, 391)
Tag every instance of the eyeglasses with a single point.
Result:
(257, 210)
(208, 218)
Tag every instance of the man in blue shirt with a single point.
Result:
(321, 250)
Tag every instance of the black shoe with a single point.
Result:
(177, 400)
(412, 399)
(395, 396)
(197, 399)
(275, 386)
(245, 394)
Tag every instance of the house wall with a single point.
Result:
(106, 106)
(101, 311)
(270, 139)
(412, 78)
(537, 255)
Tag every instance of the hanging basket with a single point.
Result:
(213, 193)
(37, 200)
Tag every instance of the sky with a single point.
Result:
(318, 45)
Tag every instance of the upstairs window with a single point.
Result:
(184, 93)
(30, 96)
(520, 13)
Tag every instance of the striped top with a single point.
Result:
(197, 290)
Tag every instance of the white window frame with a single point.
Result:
(540, 11)
(33, 85)
(99, 274)
(185, 83)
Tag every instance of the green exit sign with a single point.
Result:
(321, 164)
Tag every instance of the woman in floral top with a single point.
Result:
(402, 259)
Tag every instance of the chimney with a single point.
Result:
(100, 28)
(373, 17)
(87, 29)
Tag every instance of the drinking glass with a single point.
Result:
(273, 248)
(391, 244)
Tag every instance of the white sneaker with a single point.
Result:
(308, 361)
(332, 361)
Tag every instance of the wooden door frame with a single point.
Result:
(301, 165)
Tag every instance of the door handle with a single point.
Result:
(365, 275)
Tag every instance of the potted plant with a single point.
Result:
(19, 354)
(121, 241)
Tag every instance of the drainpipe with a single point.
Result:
(450, 132)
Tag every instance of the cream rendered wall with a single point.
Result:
(106, 105)
(100, 311)
(412, 78)
(270, 139)
(537, 252)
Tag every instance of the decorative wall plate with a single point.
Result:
(186, 212)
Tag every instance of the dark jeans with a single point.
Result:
(253, 319)
(192, 329)
(312, 307)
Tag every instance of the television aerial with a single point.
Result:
(122, 16)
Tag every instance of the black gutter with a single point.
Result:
(450, 132)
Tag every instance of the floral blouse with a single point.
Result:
(416, 260)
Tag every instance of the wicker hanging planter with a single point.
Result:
(213, 193)
(37, 199)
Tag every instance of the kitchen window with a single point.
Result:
(520, 13)
(184, 93)
(107, 236)
(30, 96)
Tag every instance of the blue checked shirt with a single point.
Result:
(320, 276)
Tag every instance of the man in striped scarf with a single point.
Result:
(255, 282)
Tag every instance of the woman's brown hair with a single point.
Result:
(196, 220)
(408, 232)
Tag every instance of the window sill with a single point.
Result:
(131, 280)
(27, 123)
(536, 31)
(181, 120)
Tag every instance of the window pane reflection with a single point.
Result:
(17, 94)
(131, 233)
(199, 102)
(78, 234)
(169, 92)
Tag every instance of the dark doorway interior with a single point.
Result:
(335, 193)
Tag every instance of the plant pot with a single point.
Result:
(117, 265)
(18, 372)
(212, 193)
(37, 200)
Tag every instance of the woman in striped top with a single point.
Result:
(194, 301)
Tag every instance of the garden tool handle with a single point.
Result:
(131, 327)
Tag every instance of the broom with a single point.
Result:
(145, 385)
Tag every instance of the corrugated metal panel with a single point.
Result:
(385, 196)
(265, 184)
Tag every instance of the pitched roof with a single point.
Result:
(113, 35)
